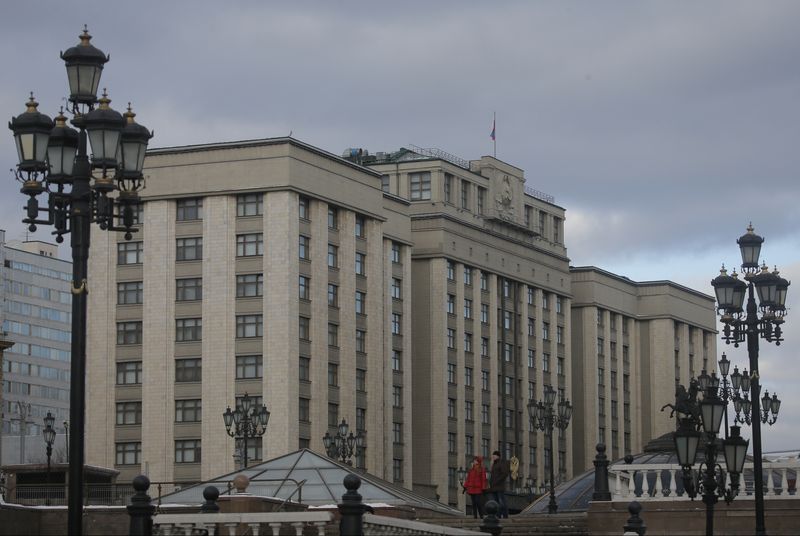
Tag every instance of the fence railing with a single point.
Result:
(93, 494)
(257, 523)
(665, 481)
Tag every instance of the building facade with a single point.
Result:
(261, 268)
(491, 298)
(632, 343)
(36, 317)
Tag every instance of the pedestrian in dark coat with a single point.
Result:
(497, 483)
(475, 485)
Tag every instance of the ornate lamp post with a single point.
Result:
(54, 161)
(742, 325)
(344, 446)
(707, 415)
(544, 417)
(49, 438)
(245, 422)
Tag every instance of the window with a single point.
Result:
(451, 271)
(188, 329)
(333, 335)
(397, 433)
(599, 317)
(468, 376)
(129, 332)
(397, 396)
(249, 245)
(600, 345)
(557, 230)
(397, 289)
(508, 352)
(481, 200)
(303, 206)
(249, 367)
(451, 338)
(506, 319)
(528, 213)
(333, 375)
(304, 412)
(484, 346)
(542, 218)
(531, 358)
(304, 250)
(333, 256)
(559, 304)
(189, 209)
(305, 369)
(188, 410)
(484, 281)
(468, 405)
(485, 414)
(361, 419)
(360, 223)
(249, 285)
(304, 287)
(130, 292)
(531, 326)
(506, 288)
(385, 183)
(189, 249)
(451, 408)
(448, 188)
(451, 304)
(129, 373)
(485, 380)
(508, 421)
(130, 252)
(188, 370)
(129, 453)
(361, 380)
(129, 413)
(469, 445)
(531, 296)
(545, 362)
(187, 451)
(451, 442)
(451, 373)
(560, 366)
(361, 302)
(468, 342)
(189, 289)
(545, 300)
(304, 328)
(465, 186)
(485, 447)
(397, 470)
(397, 324)
(397, 360)
(395, 252)
(545, 331)
(420, 185)
(333, 415)
(560, 334)
(361, 341)
(333, 295)
(361, 263)
(485, 313)
(531, 390)
(467, 275)
(249, 205)
(333, 218)
(508, 386)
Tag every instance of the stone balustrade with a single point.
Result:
(227, 524)
(654, 481)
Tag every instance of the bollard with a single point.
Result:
(601, 491)
(140, 510)
(635, 524)
(210, 494)
(351, 509)
(491, 524)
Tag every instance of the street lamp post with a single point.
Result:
(544, 417)
(54, 161)
(742, 325)
(49, 438)
(706, 415)
(344, 446)
(246, 422)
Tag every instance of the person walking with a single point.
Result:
(497, 484)
(475, 484)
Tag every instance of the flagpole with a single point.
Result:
(494, 129)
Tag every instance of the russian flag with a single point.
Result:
(492, 135)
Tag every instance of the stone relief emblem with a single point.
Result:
(504, 200)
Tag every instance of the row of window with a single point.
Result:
(35, 291)
(190, 329)
(39, 371)
(45, 313)
(24, 348)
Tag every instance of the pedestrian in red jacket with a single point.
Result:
(475, 484)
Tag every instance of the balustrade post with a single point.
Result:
(351, 508)
(210, 494)
(141, 510)
(635, 524)
(601, 491)
(490, 523)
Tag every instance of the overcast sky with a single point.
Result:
(663, 128)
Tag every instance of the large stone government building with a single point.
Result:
(423, 298)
